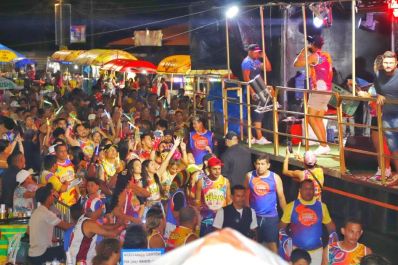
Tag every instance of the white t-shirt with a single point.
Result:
(219, 219)
(41, 227)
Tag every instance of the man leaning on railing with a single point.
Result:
(386, 84)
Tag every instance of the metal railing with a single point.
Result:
(63, 212)
(239, 87)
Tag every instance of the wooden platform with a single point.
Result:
(329, 163)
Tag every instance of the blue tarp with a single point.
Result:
(23, 62)
(215, 95)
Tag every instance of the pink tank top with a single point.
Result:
(323, 74)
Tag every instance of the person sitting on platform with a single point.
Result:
(348, 251)
(321, 75)
(310, 172)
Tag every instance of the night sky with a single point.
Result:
(29, 25)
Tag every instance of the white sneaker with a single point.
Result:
(377, 176)
(252, 141)
(263, 141)
(322, 150)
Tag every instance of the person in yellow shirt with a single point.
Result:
(304, 218)
(311, 171)
(65, 173)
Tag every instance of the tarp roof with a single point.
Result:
(66, 55)
(99, 57)
(175, 64)
(126, 65)
(8, 55)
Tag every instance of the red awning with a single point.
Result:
(125, 65)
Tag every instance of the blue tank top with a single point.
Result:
(306, 225)
(170, 207)
(263, 194)
(198, 143)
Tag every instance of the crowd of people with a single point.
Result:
(139, 171)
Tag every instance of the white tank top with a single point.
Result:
(82, 248)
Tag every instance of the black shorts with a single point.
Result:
(374, 123)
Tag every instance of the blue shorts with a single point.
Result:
(267, 230)
(256, 117)
(390, 121)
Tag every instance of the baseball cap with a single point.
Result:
(310, 158)
(22, 175)
(254, 48)
(214, 161)
(230, 135)
(15, 104)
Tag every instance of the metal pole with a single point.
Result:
(172, 82)
(307, 75)
(225, 106)
(340, 128)
(353, 25)
(61, 35)
(91, 24)
(275, 118)
(249, 118)
(227, 40)
(263, 42)
(240, 95)
(380, 135)
(194, 99)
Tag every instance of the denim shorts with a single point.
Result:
(267, 230)
(390, 121)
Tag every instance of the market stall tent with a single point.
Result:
(99, 57)
(6, 84)
(8, 55)
(175, 64)
(127, 65)
(66, 56)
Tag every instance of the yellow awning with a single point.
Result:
(220, 72)
(8, 55)
(66, 55)
(99, 57)
(176, 64)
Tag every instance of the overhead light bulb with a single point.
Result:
(232, 12)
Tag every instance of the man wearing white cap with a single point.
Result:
(25, 192)
(310, 172)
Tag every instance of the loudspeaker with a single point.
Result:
(355, 161)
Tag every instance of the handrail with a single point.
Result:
(275, 131)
